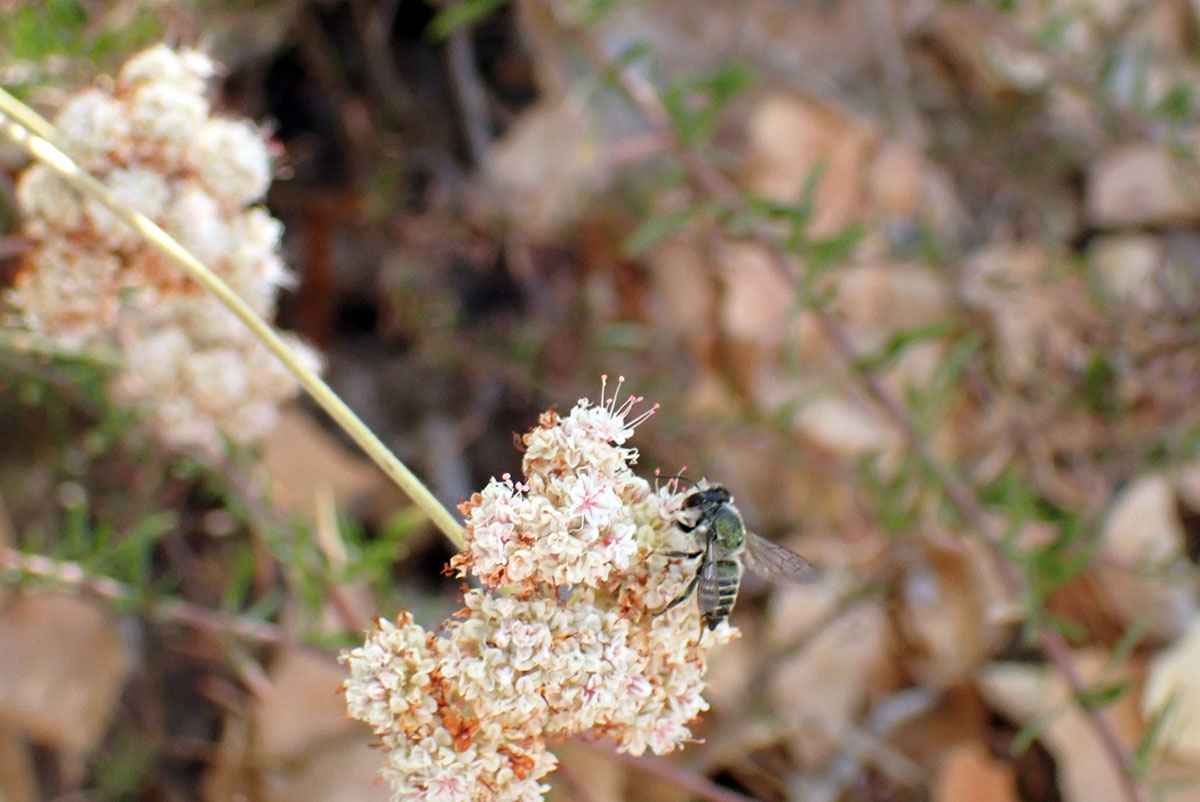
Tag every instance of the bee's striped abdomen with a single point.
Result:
(729, 578)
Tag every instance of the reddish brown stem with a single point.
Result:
(71, 576)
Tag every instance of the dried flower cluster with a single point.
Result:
(562, 637)
(151, 139)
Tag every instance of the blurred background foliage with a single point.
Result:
(918, 281)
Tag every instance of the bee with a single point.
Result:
(720, 526)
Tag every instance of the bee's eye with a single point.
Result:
(694, 500)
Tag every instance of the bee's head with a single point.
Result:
(709, 496)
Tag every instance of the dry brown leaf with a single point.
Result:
(968, 51)
(304, 708)
(896, 180)
(300, 739)
(683, 296)
(547, 165)
(17, 780)
(823, 689)
(757, 301)
(62, 667)
(790, 138)
(344, 770)
(601, 775)
(303, 461)
(1141, 185)
(847, 430)
(1143, 527)
(1141, 534)
(879, 300)
(970, 772)
(1027, 693)
(951, 601)
(1127, 265)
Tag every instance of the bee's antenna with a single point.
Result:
(680, 477)
(673, 479)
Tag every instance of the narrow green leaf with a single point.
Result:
(1029, 733)
(459, 14)
(656, 229)
(1102, 695)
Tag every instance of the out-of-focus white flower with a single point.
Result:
(196, 220)
(189, 70)
(67, 289)
(93, 129)
(47, 200)
(232, 159)
(194, 368)
(163, 117)
(563, 637)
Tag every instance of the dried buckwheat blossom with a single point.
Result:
(562, 637)
(192, 366)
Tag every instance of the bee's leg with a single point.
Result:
(686, 555)
(682, 597)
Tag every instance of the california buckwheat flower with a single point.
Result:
(561, 639)
(192, 366)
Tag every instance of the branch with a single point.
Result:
(72, 576)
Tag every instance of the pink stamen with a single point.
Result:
(640, 419)
(612, 402)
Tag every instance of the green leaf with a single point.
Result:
(1101, 696)
(461, 14)
(1147, 746)
(130, 559)
(695, 105)
(1029, 733)
(835, 250)
(656, 229)
(1128, 642)
(1179, 103)
(895, 346)
(1099, 385)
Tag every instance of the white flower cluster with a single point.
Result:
(89, 278)
(562, 639)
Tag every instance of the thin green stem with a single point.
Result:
(12, 110)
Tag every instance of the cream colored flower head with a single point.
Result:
(152, 140)
(562, 638)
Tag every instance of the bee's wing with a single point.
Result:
(774, 562)
(708, 594)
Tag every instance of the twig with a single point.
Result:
(71, 575)
(469, 95)
(869, 745)
(374, 22)
(714, 184)
(884, 28)
(45, 152)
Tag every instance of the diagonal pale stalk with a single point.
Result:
(18, 123)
